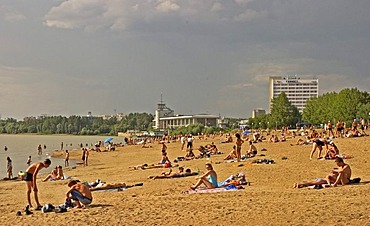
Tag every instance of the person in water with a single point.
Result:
(209, 179)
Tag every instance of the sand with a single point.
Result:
(269, 200)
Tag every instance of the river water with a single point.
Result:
(22, 146)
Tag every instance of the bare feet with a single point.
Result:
(192, 187)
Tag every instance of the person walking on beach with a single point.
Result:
(30, 178)
(5, 148)
(66, 160)
(39, 150)
(9, 168)
(238, 144)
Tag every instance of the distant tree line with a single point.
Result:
(77, 125)
(345, 106)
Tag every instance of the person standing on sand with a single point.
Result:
(83, 156)
(86, 156)
(66, 160)
(30, 178)
(238, 144)
(5, 148)
(9, 168)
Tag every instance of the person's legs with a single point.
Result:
(47, 178)
(314, 146)
(36, 198)
(238, 153)
(310, 183)
(319, 152)
(79, 198)
(29, 190)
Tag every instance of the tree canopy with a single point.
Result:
(346, 105)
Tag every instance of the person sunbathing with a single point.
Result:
(180, 173)
(232, 154)
(55, 174)
(252, 151)
(332, 152)
(209, 179)
(339, 176)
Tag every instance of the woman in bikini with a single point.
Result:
(238, 144)
(209, 179)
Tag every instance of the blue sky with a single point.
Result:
(72, 57)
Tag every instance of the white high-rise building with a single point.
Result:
(297, 90)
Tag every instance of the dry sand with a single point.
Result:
(270, 200)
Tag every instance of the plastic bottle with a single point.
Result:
(198, 172)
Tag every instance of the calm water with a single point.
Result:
(22, 146)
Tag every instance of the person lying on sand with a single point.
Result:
(80, 193)
(339, 176)
(209, 179)
(180, 173)
(152, 166)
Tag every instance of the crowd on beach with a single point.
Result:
(81, 193)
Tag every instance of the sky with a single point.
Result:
(204, 57)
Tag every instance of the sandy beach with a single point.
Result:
(269, 200)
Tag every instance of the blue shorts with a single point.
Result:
(76, 195)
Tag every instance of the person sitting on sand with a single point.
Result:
(318, 144)
(252, 151)
(80, 193)
(339, 176)
(232, 154)
(30, 178)
(332, 152)
(189, 154)
(55, 174)
(165, 159)
(209, 179)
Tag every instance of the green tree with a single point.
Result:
(283, 113)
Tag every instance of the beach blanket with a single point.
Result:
(213, 190)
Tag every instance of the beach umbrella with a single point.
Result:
(108, 140)
(246, 132)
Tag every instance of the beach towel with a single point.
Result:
(213, 190)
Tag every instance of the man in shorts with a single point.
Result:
(30, 178)
(80, 193)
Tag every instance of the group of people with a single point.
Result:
(78, 192)
(236, 153)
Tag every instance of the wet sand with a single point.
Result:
(269, 200)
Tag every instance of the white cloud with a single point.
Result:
(120, 14)
(11, 15)
(167, 6)
(216, 7)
